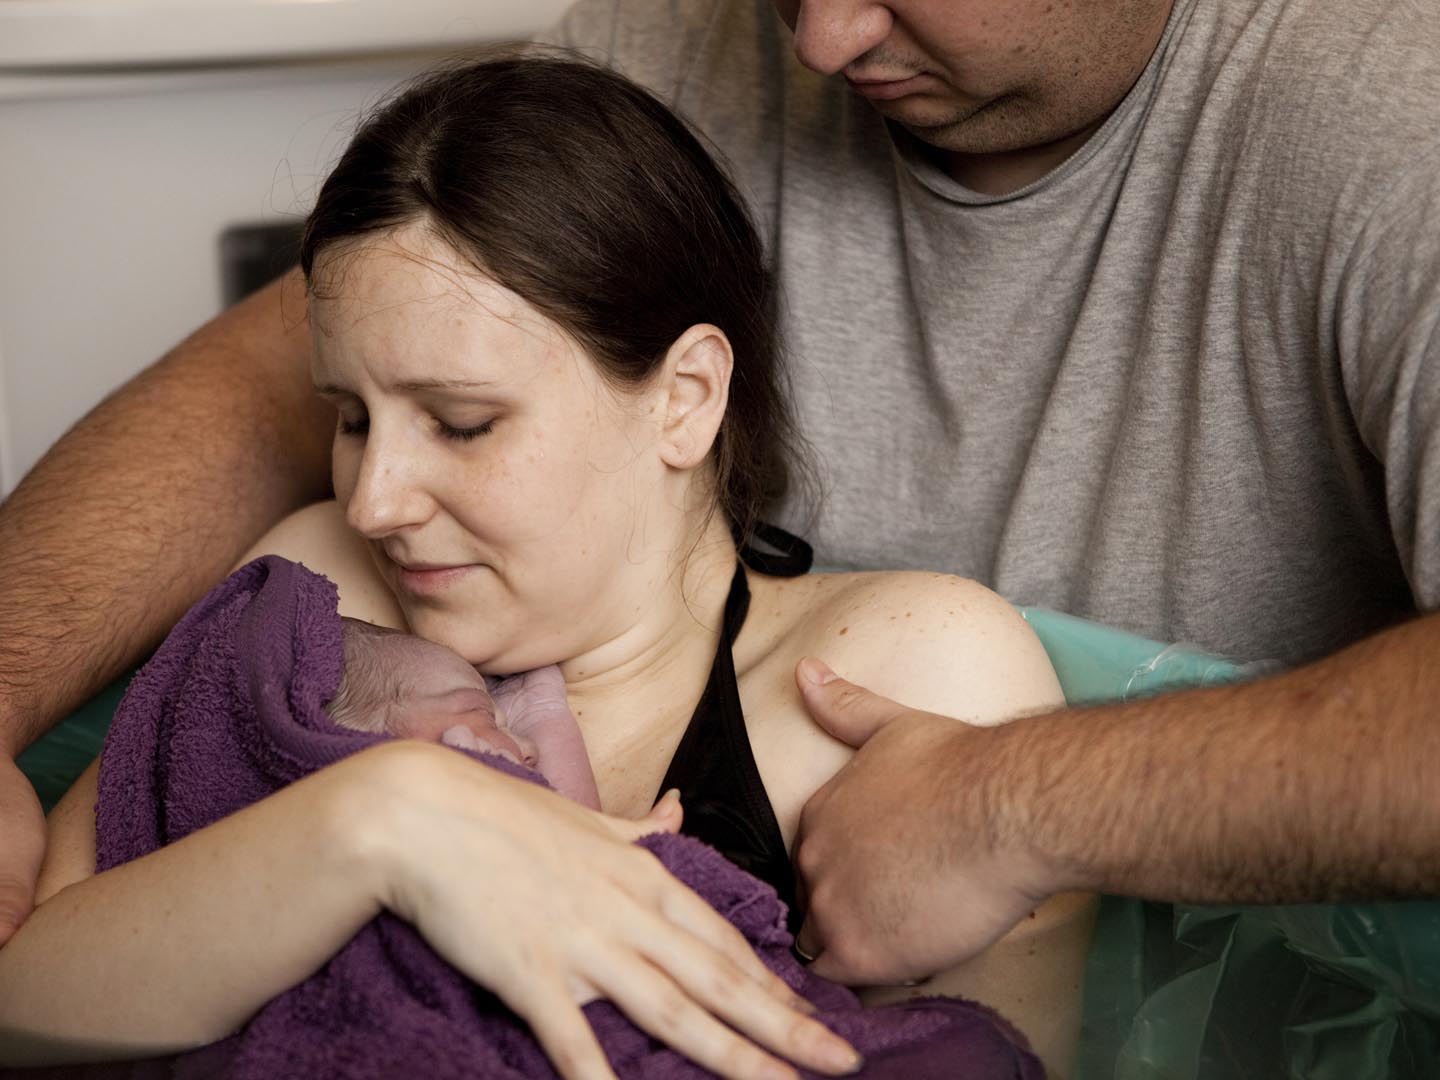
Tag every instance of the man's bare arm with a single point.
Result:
(149, 500)
(1314, 785)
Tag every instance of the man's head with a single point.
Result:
(984, 77)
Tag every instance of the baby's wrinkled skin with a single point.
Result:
(402, 685)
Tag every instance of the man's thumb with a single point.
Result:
(22, 847)
(849, 712)
(16, 900)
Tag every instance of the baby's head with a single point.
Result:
(401, 685)
(398, 684)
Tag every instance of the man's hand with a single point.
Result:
(22, 846)
(906, 860)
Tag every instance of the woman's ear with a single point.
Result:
(696, 377)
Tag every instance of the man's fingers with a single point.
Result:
(16, 901)
(856, 970)
(22, 848)
(862, 962)
(849, 712)
(807, 944)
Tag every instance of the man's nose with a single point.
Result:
(387, 494)
(830, 34)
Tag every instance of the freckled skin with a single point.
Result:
(539, 511)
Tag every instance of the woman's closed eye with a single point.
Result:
(463, 434)
(361, 425)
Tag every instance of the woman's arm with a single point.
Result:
(178, 949)
(181, 947)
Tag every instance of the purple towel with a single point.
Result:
(229, 710)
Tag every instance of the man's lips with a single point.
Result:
(886, 89)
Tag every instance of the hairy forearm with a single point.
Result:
(1315, 785)
(180, 948)
(148, 501)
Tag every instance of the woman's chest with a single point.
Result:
(751, 738)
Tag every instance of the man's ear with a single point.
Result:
(696, 383)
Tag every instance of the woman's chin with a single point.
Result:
(489, 656)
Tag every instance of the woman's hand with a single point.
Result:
(551, 905)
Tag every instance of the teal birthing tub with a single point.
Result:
(54, 762)
(1315, 991)
(1320, 992)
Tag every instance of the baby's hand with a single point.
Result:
(490, 740)
(533, 710)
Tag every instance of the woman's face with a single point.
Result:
(514, 502)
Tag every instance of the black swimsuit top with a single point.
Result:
(721, 792)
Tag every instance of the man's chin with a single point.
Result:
(956, 129)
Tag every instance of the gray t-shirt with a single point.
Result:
(1186, 384)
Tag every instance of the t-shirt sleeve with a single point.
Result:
(1388, 326)
(650, 41)
(586, 25)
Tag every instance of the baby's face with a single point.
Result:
(397, 684)
(416, 689)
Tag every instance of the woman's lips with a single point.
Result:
(428, 580)
(887, 90)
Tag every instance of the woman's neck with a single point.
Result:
(634, 691)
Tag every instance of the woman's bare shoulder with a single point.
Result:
(319, 537)
(930, 641)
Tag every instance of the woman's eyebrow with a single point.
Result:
(410, 386)
(444, 384)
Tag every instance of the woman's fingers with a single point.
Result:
(665, 816)
(712, 964)
(693, 916)
(657, 1004)
(717, 986)
(681, 906)
(562, 1032)
(584, 913)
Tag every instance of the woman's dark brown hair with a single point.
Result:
(582, 193)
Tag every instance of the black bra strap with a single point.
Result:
(725, 801)
(782, 555)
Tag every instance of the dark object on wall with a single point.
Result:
(255, 255)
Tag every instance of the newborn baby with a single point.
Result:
(411, 688)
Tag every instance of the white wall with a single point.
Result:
(114, 189)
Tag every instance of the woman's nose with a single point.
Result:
(831, 34)
(387, 496)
